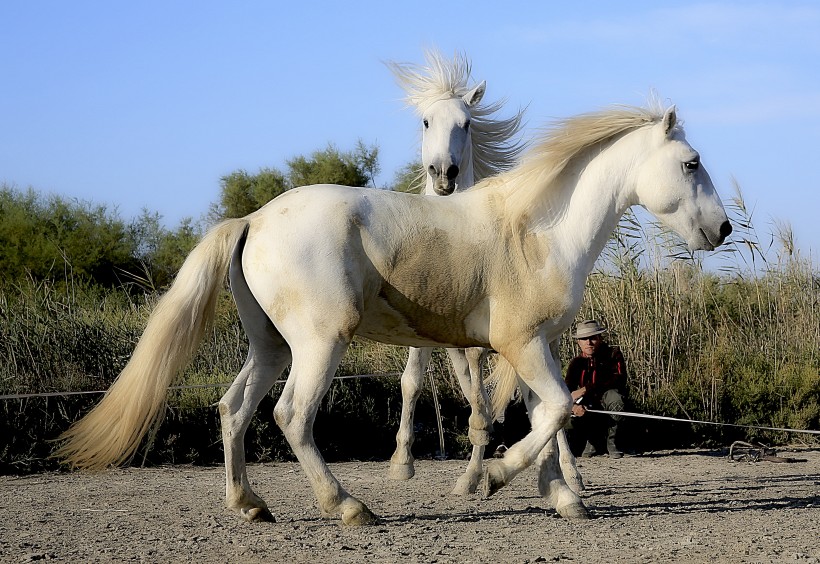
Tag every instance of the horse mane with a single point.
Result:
(494, 149)
(560, 144)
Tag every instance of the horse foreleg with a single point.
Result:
(549, 406)
(566, 459)
(467, 364)
(569, 467)
(412, 379)
(553, 487)
(314, 364)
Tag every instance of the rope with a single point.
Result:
(435, 399)
(186, 387)
(664, 418)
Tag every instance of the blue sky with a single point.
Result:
(147, 105)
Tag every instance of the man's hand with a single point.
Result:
(578, 410)
(578, 393)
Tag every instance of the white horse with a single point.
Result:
(462, 143)
(318, 265)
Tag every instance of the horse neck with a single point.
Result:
(598, 194)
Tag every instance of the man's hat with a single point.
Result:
(588, 329)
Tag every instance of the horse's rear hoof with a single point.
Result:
(401, 471)
(258, 514)
(575, 511)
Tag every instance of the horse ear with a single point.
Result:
(670, 118)
(475, 95)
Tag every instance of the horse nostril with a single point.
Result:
(432, 170)
(452, 172)
(725, 229)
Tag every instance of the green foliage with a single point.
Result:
(243, 193)
(409, 178)
(47, 237)
(160, 251)
(331, 166)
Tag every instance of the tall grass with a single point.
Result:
(736, 341)
(68, 337)
(738, 344)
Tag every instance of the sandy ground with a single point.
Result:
(691, 506)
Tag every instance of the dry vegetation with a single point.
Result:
(737, 341)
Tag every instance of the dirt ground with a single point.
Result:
(689, 506)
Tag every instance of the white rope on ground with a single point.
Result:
(664, 418)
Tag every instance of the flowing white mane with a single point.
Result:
(494, 149)
(563, 141)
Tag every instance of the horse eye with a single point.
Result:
(692, 165)
(426, 124)
(467, 126)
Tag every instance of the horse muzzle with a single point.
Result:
(444, 186)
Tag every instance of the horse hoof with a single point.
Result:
(258, 515)
(493, 480)
(401, 471)
(465, 485)
(575, 511)
(359, 517)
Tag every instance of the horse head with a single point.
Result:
(446, 146)
(674, 186)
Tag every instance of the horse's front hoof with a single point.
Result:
(493, 479)
(359, 517)
(575, 511)
(401, 471)
(257, 515)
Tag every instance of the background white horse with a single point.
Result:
(318, 265)
(462, 143)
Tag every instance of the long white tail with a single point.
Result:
(503, 381)
(111, 432)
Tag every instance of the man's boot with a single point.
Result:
(611, 447)
(589, 451)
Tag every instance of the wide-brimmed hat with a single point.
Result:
(588, 328)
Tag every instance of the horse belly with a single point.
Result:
(392, 317)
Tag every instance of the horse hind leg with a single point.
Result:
(314, 364)
(412, 379)
(268, 356)
(236, 409)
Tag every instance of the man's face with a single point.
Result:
(589, 345)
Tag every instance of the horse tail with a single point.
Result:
(504, 381)
(111, 432)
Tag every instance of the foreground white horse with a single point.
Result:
(318, 265)
(461, 143)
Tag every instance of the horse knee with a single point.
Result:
(555, 413)
(283, 415)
